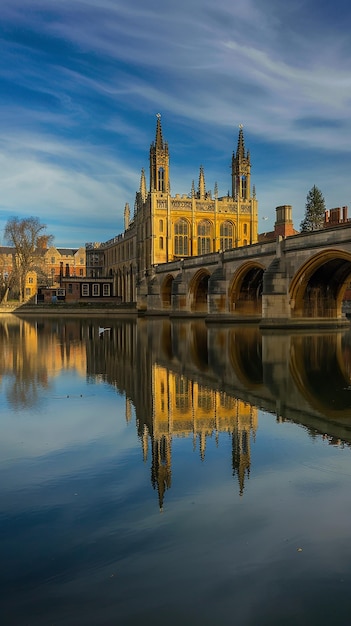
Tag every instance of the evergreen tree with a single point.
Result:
(315, 211)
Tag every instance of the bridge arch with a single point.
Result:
(318, 287)
(198, 291)
(245, 291)
(324, 389)
(245, 355)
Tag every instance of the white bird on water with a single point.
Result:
(102, 330)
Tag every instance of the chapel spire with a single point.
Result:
(240, 151)
(241, 170)
(159, 161)
(159, 138)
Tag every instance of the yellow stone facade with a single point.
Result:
(165, 228)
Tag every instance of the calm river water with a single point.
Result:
(173, 473)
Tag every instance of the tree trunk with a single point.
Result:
(5, 296)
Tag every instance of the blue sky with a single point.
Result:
(81, 82)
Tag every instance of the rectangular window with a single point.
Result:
(28, 291)
(52, 260)
(106, 289)
(96, 289)
(81, 261)
(80, 272)
(85, 289)
(30, 281)
(70, 288)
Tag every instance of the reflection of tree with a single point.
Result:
(22, 392)
(33, 352)
(23, 370)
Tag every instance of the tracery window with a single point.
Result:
(226, 236)
(181, 238)
(204, 237)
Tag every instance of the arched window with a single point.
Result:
(160, 226)
(161, 179)
(181, 238)
(161, 243)
(204, 237)
(226, 236)
(243, 186)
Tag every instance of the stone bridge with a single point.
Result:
(295, 280)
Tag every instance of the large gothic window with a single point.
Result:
(204, 237)
(226, 236)
(161, 179)
(181, 238)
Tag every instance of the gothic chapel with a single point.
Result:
(165, 228)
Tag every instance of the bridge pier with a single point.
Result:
(218, 292)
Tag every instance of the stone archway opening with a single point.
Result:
(199, 293)
(319, 287)
(166, 292)
(246, 292)
(320, 370)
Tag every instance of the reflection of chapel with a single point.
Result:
(165, 227)
(183, 408)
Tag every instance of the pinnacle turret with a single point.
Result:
(142, 189)
(202, 185)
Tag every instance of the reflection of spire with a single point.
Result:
(202, 437)
(240, 456)
(161, 467)
(128, 409)
(145, 442)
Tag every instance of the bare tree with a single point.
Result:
(29, 240)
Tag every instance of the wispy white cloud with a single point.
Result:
(82, 80)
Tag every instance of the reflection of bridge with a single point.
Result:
(299, 279)
(189, 380)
